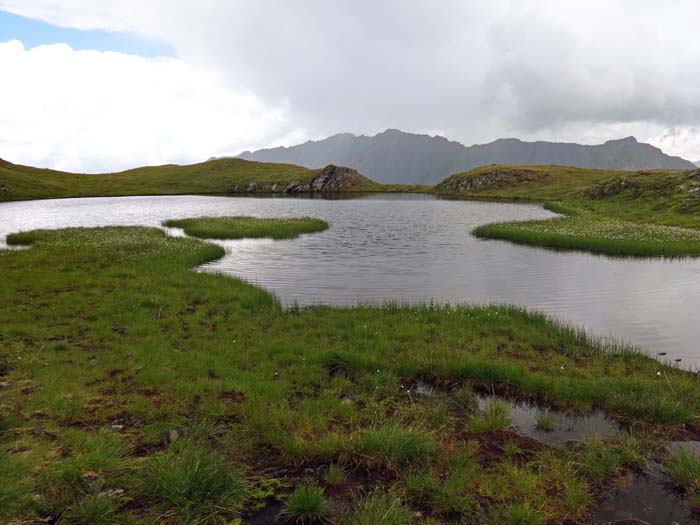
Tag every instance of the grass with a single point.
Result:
(648, 213)
(545, 422)
(196, 483)
(219, 176)
(375, 508)
(307, 504)
(590, 232)
(495, 417)
(247, 227)
(684, 467)
(335, 474)
(110, 343)
(395, 447)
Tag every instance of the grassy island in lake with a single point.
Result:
(247, 227)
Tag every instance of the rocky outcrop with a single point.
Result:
(611, 187)
(330, 179)
(4, 189)
(498, 177)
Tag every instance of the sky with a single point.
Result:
(107, 85)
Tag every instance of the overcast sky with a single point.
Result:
(112, 84)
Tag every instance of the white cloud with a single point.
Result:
(93, 111)
(576, 70)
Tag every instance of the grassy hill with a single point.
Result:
(615, 212)
(215, 176)
(667, 197)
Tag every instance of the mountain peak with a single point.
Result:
(396, 157)
(626, 140)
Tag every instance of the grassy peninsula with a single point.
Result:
(135, 390)
(649, 213)
(247, 227)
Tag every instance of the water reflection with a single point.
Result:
(414, 248)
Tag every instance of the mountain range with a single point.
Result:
(396, 157)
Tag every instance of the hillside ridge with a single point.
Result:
(397, 157)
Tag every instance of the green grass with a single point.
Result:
(590, 232)
(220, 176)
(376, 508)
(247, 227)
(495, 417)
(395, 447)
(684, 467)
(307, 504)
(335, 474)
(647, 213)
(196, 483)
(110, 342)
(545, 422)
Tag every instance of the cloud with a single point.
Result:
(474, 70)
(93, 111)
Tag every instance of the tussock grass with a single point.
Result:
(247, 227)
(495, 417)
(375, 508)
(307, 504)
(197, 483)
(394, 447)
(545, 422)
(684, 467)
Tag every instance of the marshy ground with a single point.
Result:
(135, 390)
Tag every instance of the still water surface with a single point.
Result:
(413, 248)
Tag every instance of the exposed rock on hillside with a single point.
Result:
(611, 187)
(496, 177)
(331, 179)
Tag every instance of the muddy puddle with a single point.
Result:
(647, 499)
(561, 427)
(526, 419)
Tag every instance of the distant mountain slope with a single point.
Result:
(396, 157)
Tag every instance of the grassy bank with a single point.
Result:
(247, 227)
(135, 390)
(651, 213)
(586, 231)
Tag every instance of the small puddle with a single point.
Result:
(565, 427)
(648, 499)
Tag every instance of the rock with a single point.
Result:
(4, 189)
(273, 188)
(117, 427)
(252, 186)
(684, 446)
(4, 384)
(330, 179)
(112, 493)
(496, 177)
(611, 187)
(173, 435)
